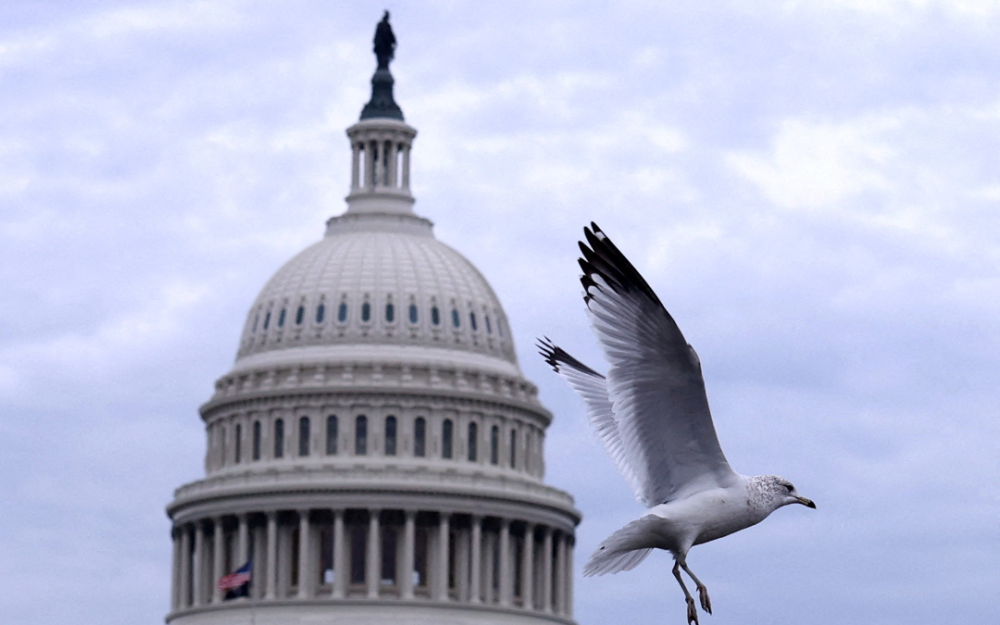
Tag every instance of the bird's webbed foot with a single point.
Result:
(706, 603)
(692, 612)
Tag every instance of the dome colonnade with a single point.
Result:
(375, 453)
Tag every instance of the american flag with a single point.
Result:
(237, 578)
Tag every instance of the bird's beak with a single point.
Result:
(806, 502)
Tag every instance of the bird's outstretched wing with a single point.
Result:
(655, 384)
(591, 386)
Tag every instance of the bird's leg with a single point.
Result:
(692, 611)
(706, 603)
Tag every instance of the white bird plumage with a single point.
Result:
(651, 414)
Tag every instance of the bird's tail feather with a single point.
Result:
(622, 551)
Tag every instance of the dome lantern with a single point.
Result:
(381, 142)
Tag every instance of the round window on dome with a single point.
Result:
(390, 313)
(455, 319)
(413, 313)
(267, 319)
(472, 321)
(281, 319)
(489, 328)
(320, 310)
(342, 312)
(366, 312)
(435, 316)
(299, 315)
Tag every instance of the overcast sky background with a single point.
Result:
(813, 188)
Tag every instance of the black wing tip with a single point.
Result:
(602, 257)
(558, 357)
(549, 352)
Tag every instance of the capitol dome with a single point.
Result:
(375, 454)
(377, 279)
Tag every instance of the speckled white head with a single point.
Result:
(771, 492)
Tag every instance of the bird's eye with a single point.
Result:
(788, 487)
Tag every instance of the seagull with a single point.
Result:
(651, 414)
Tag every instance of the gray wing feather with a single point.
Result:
(655, 383)
(592, 387)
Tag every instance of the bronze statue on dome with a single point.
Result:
(385, 42)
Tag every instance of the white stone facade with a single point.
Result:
(375, 451)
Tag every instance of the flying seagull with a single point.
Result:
(651, 414)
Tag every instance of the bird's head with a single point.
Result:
(782, 493)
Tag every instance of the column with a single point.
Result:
(392, 178)
(443, 549)
(218, 559)
(569, 575)
(409, 544)
(505, 568)
(304, 575)
(272, 555)
(175, 570)
(489, 567)
(373, 555)
(547, 571)
(199, 564)
(406, 167)
(462, 565)
(355, 154)
(476, 560)
(340, 573)
(560, 580)
(527, 567)
(242, 542)
(185, 573)
(370, 149)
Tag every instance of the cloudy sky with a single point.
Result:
(813, 187)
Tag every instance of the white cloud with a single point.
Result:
(961, 8)
(815, 165)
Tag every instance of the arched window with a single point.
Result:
(420, 437)
(446, 436)
(361, 435)
(513, 448)
(256, 440)
(303, 436)
(267, 319)
(435, 316)
(455, 320)
(472, 321)
(390, 312)
(279, 438)
(390, 436)
(342, 312)
(331, 435)
(238, 446)
(320, 311)
(473, 440)
(281, 319)
(366, 311)
(413, 313)
(500, 326)
(494, 445)
(300, 315)
(256, 318)
(489, 328)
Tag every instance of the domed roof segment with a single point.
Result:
(378, 279)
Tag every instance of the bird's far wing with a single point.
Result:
(591, 386)
(655, 384)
